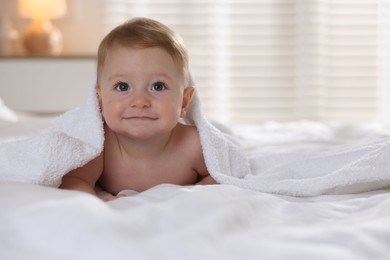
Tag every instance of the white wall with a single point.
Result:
(82, 26)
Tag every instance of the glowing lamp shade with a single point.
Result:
(41, 37)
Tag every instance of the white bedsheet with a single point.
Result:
(202, 222)
(25, 125)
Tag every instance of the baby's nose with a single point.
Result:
(140, 101)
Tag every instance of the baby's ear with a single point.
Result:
(99, 98)
(187, 97)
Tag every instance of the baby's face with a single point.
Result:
(141, 92)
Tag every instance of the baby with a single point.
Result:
(143, 88)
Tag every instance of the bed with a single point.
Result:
(200, 222)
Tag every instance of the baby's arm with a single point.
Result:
(204, 176)
(199, 166)
(84, 178)
(206, 180)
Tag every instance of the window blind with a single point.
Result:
(260, 60)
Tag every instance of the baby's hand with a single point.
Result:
(112, 197)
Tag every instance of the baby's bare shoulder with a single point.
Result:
(192, 149)
(187, 133)
(188, 138)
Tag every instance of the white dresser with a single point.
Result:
(46, 84)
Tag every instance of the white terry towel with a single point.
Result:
(74, 138)
(77, 137)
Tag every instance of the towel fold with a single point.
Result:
(74, 139)
(77, 137)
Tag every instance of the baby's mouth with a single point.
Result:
(140, 118)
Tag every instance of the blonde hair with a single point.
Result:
(145, 33)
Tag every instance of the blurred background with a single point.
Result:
(253, 60)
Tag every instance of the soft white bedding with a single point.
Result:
(202, 222)
(25, 125)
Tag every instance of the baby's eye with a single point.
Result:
(158, 86)
(121, 86)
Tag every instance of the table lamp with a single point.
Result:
(41, 37)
